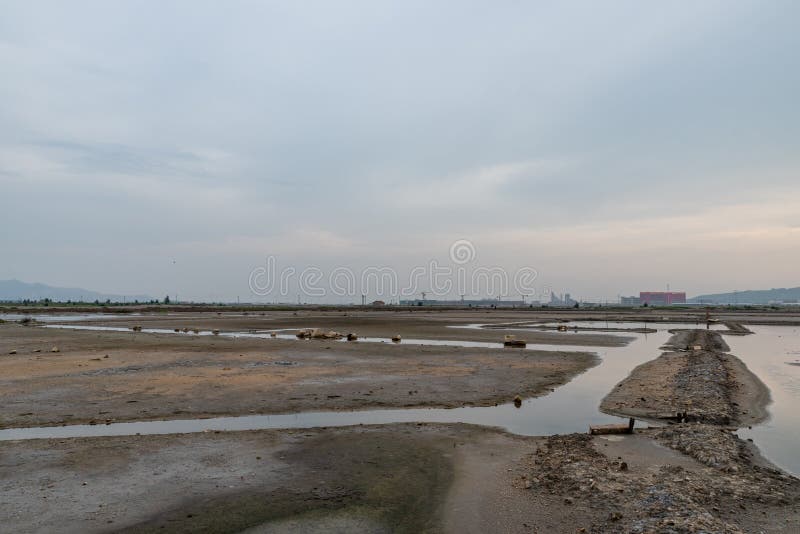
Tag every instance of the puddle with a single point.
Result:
(766, 354)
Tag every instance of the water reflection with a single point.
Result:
(766, 354)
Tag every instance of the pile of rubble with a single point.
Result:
(687, 340)
(702, 387)
(317, 333)
(661, 498)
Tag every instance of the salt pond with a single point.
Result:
(570, 408)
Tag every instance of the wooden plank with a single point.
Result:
(613, 429)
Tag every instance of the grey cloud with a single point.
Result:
(193, 122)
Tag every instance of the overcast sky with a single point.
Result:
(170, 147)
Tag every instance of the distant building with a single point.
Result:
(565, 300)
(630, 301)
(662, 298)
(475, 303)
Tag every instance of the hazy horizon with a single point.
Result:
(172, 148)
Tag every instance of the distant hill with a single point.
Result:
(760, 296)
(14, 290)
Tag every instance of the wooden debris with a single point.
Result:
(512, 341)
(613, 429)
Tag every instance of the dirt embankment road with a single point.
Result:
(697, 380)
(123, 376)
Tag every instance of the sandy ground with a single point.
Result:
(122, 376)
(697, 380)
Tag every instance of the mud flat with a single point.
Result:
(425, 324)
(392, 478)
(356, 479)
(411, 477)
(396, 478)
(100, 377)
(695, 381)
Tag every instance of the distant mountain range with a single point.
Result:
(16, 290)
(759, 296)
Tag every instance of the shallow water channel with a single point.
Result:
(591, 327)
